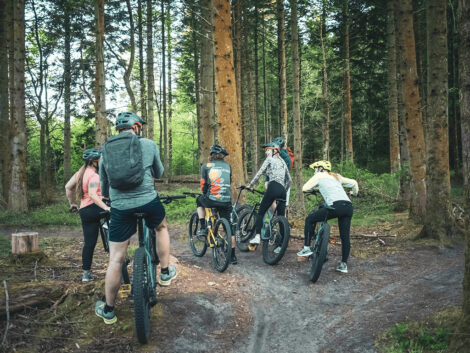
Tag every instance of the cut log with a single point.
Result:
(24, 242)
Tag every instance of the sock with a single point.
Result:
(202, 222)
(108, 309)
(165, 271)
(233, 251)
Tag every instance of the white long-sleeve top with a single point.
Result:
(330, 187)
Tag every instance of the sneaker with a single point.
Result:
(87, 276)
(256, 240)
(109, 317)
(277, 250)
(342, 267)
(234, 259)
(306, 251)
(201, 234)
(165, 279)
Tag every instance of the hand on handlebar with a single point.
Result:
(73, 208)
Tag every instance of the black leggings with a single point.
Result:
(273, 192)
(343, 210)
(90, 216)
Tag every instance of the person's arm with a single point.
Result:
(104, 180)
(311, 183)
(69, 192)
(349, 183)
(260, 172)
(93, 185)
(157, 166)
(204, 183)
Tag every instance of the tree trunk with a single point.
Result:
(150, 77)
(238, 48)
(281, 44)
(17, 200)
(100, 94)
(439, 221)
(143, 109)
(170, 95)
(461, 340)
(326, 100)
(67, 93)
(166, 150)
(197, 80)
(130, 66)
(24, 242)
(299, 196)
(347, 83)
(392, 91)
(4, 106)
(414, 121)
(256, 83)
(265, 93)
(207, 92)
(230, 133)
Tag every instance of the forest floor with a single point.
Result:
(251, 307)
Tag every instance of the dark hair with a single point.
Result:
(217, 157)
(79, 187)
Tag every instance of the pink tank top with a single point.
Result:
(89, 176)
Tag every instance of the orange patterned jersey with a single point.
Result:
(216, 177)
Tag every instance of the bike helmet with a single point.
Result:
(218, 149)
(273, 146)
(326, 165)
(127, 120)
(280, 141)
(91, 154)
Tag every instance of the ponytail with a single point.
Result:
(79, 187)
(334, 175)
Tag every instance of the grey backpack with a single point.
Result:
(122, 159)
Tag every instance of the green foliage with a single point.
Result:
(5, 246)
(179, 211)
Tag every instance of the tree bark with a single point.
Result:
(17, 200)
(207, 91)
(100, 94)
(282, 68)
(347, 83)
(197, 79)
(150, 76)
(414, 120)
(392, 91)
(130, 65)
(143, 109)
(230, 134)
(67, 92)
(170, 95)
(326, 100)
(299, 196)
(166, 150)
(4, 106)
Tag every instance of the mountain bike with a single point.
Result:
(237, 210)
(275, 232)
(219, 237)
(144, 279)
(320, 247)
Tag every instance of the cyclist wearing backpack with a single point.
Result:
(279, 181)
(330, 186)
(216, 178)
(85, 184)
(127, 169)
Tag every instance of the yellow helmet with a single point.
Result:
(324, 164)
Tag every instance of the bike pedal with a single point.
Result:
(124, 291)
(252, 247)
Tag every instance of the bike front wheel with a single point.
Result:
(275, 247)
(319, 252)
(197, 243)
(222, 250)
(140, 290)
(246, 229)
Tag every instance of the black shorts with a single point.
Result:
(224, 208)
(123, 223)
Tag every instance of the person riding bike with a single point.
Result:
(85, 184)
(216, 178)
(125, 202)
(279, 181)
(330, 186)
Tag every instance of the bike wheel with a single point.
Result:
(275, 247)
(140, 292)
(246, 227)
(124, 272)
(198, 244)
(222, 250)
(245, 207)
(104, 232)
(319, 252)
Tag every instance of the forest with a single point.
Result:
(379, 88)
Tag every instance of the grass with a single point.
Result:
(431, 335)
(5, 246)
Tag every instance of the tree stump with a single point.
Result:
(24, 242)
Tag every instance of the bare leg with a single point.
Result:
(117, 254)
(163, 243)
(201, 212)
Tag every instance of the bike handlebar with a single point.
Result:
(192, 194)
(167, 199)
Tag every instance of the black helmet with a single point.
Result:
(218, 149)
(280, 141)
(127, 120)
(91, 154)
(272, 145)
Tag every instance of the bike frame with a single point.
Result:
(145, 241)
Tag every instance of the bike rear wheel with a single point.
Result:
(246, 227)
(104, 232)
(275, 247)
(197, 244)
(319, 252)
(140, 290)
(222, 250)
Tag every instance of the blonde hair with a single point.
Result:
(334, 175)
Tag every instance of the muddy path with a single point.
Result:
(254, 307)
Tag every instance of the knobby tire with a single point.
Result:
(140, 292)
(198, 247)
(222, 251)
(280, 234)
(319, 253)
(246, 229)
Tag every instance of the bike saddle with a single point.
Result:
(140, 214)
